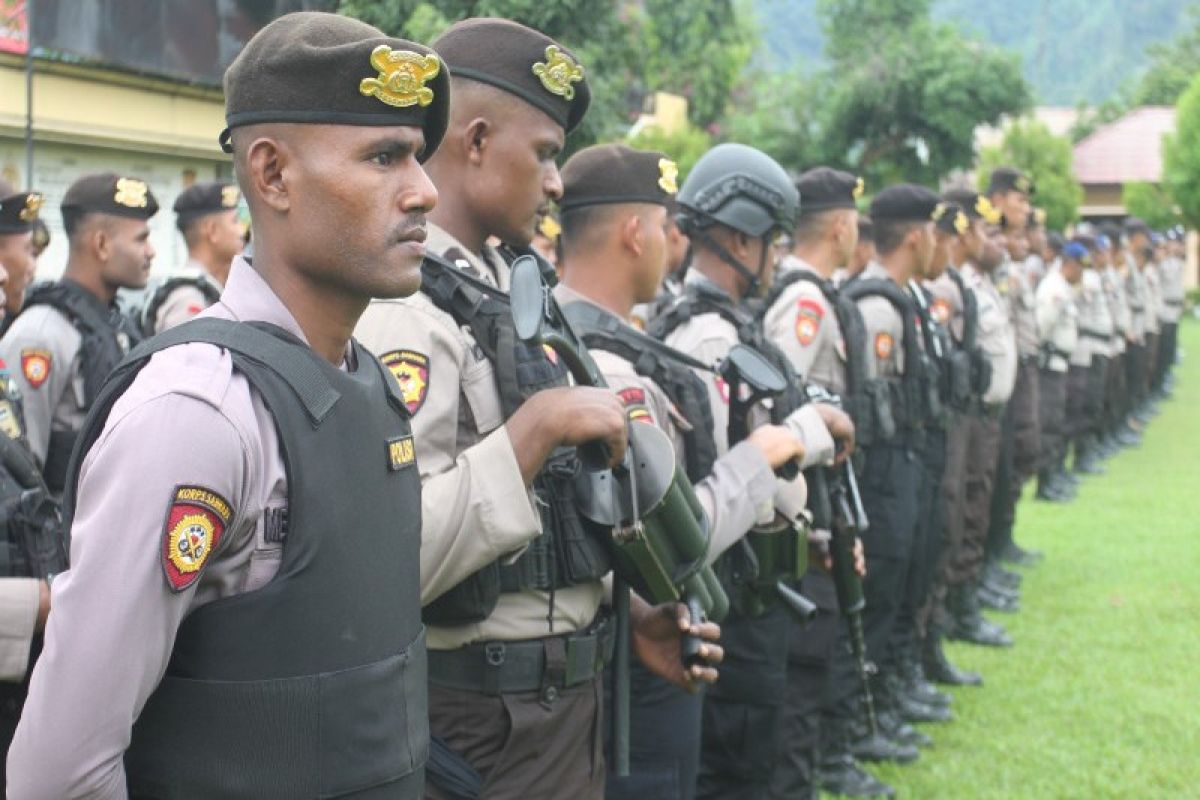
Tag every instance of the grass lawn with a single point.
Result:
(1100, 697)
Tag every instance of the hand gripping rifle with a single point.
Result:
(657, 532)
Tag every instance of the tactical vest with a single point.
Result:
(935, 368)
(315, 684)
(893, 408)
(149, 315)
(105, 337)
(977, 366)
(568, 552)
(666, 367)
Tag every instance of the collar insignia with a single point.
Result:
(668, 174)
(558, 72)
(131, 193)
(402, 77)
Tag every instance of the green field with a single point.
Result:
(1100, 697)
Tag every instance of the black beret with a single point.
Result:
(208, 197)
(906, 202)
(823, 189)
(866, 228)
(109, 193)
(521, 61)
(18, 210)
(615, 173)
(323, 68)
(950, 218)
(1135, 225)
(1009, 179)
(974, 205)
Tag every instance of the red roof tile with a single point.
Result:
(1129, 149)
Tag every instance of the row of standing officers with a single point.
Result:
(296, 573)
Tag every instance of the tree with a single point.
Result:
(1151, 203)
(1172, 65)
(1181, 156)
(1030, 146)
(684, 146)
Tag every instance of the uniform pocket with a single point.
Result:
(482, 396)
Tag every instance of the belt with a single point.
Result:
(536, 665)
(1091, 334)
(1174, 303)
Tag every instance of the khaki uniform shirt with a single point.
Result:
(184, 302)
(885, 330)
(1057, 318)
(1118, 306)
(1135, 293)
(469, 473)
(1021, 295)
(1034, 269)
(1095, 320)
(804, 326)
(741, 481)
(1171, 270)
(1153, 297)
(947, 306)
(18, 616)
(996, 336)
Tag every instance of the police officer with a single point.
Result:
(1137, 257)
(1094, 347)
(1036, 264)
(70, 334)
(518, 648)
(614, 209)
(1172, 269)
(32, 549)
(801, 319)
(733, 203)
(214, 572)
(1059, 332)
(206, 214)
(1116, 433)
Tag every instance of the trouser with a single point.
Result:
(1075, 424)
(1135, 375)
(953, 494)
(523, 746)
(1027, 441)
(1152, 340)
(1093, 404)
(979, 475)
(1116, 404)
(810, 653)
(1168, 346)
(1004, 503)
(742, 716)
(928, 542)
(1052, 411)
(890, 483)
(664, 739)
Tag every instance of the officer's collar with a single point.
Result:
(490, 267)
(704, 285)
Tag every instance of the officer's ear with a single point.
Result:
(264, 164)
(476, 136)
(632, 233)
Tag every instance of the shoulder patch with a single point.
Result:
(808, 320)
(941, 310)
(196, 521)
(634, 400)
(412, 373)
(35, 365)
(722, 388)
(884, 344)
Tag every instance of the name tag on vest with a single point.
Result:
(402, 453)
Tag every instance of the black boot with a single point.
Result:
(967, 621)
(1049, 490)
(1087, 455)
(914, 682)
(841, 776)
(1013, 553)
(996, 575)
(939, 669)
(998, 599)
(911, 709)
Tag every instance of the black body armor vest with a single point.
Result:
(568, 552)
(315, 684)
(979, 367)
(149, 315)
(106, 335)
(935, 366)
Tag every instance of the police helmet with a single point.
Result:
(739, 187)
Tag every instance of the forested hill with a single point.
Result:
(1073, 50)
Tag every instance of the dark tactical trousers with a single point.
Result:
(664, 739)
(1168, 346)
(1003, 510)
(524, 748)
(953, 496)
(890, 485)
(1027, 430)
(1052, 388)
(1093, 404)
(928, 542)
(1116, 403)
(743, 713)
(978, 477)
(1075, 424)
(1135, 375)
(810, 654)
(1151, 367)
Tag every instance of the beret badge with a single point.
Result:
(986, 210)
(558, 72)
(33, 204)
(668, 176)
(230, 196)
(131, 193)
(860, 186)
(961, 223)
(402, 77)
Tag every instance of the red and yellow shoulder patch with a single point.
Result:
(884, 345)
(196, 521)
(412, 373)
(941, 311)
(808, 320)
(635, 404)
(35, 366)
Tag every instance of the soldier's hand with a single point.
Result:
(566, 415)
(43, 611)
(777, 444)
(658, 633)
(841, 428)
(860, 558)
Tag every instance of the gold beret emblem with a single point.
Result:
(1039, 216)
(961, 223)
(33, 204)
(230, 196)
(1023, 184)
(131, 193)
(558, 72)
(668, 174)
(939, 211)
(985, 209)
(860, 186)
(402, 77)
(549, 227)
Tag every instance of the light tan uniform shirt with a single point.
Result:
(18, 617)
(947, 306)
(1136, 297)
(466, 459)
(741, 481)
(996, 336)
(1057, 319)
(1095, 320)
(804, 326)
(1153, 297)
(885, 330)
(1015, 284)
(1171, 271)
(1118, 306)
(184, 302)
(188, 419)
